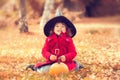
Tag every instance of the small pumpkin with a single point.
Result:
(58, 68)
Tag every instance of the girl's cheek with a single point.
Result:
(63, 30)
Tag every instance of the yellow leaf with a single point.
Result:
(86, 78)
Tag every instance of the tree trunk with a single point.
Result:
(47, 13)
(22, 14)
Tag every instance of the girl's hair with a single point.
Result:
(51, 31)
(68, 30)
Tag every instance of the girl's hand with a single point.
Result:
(53, 57)
(62, 58)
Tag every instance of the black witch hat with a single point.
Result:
(59, 18)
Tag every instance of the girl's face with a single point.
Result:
(59, 27)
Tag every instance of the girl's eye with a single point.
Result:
(57, 26)
(63, 26)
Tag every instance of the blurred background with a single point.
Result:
(75, 10)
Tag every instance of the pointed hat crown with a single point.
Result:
(58, 12)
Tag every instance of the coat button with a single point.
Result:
(57, 51)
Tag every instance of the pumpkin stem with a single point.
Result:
(58, 60)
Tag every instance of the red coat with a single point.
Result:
(60, 45)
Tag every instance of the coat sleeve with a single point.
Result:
(71, 51)
(45, 50)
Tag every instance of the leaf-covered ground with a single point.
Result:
(97, 45)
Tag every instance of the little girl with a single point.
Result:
(58, 45)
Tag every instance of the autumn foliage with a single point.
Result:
(97, 44)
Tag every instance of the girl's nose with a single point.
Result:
(60, 27)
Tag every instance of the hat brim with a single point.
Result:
(51, 23)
